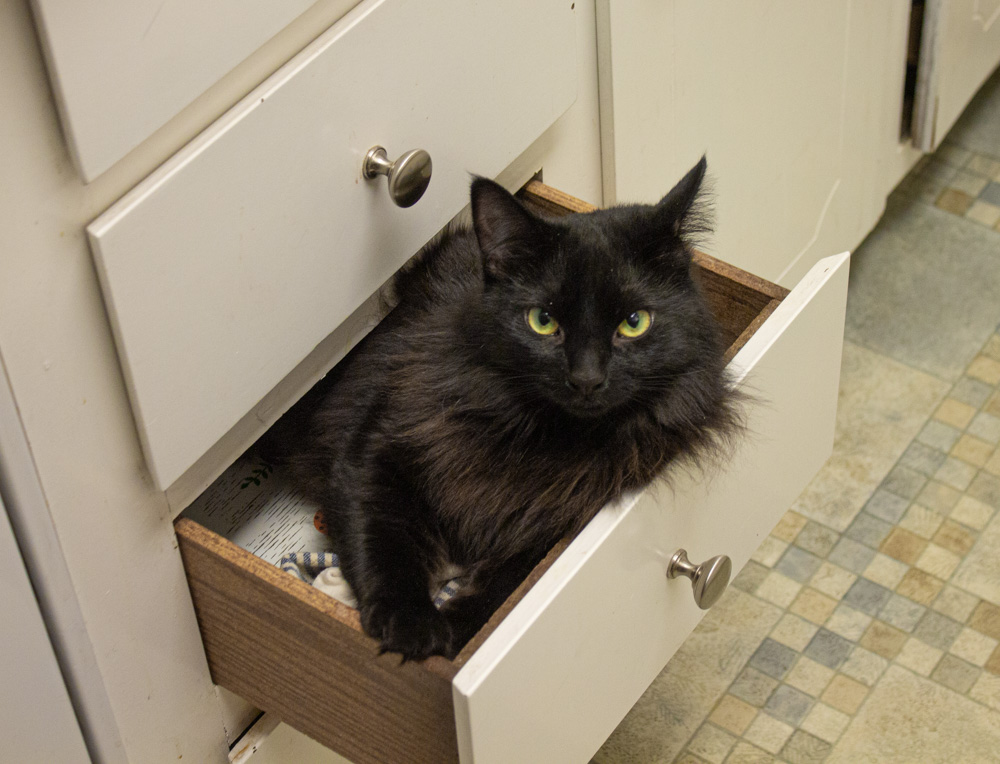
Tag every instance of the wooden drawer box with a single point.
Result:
(560, 664)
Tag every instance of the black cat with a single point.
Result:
(532, 371)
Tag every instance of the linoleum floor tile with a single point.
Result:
(683, 695)
(923, 288)
(908, 719)
(883, 405)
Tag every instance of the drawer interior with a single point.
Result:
(296, 652)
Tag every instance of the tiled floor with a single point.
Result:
(867, 626)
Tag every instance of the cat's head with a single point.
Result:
(595, 312)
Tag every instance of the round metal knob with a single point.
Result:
(408, 176)
(709, 580)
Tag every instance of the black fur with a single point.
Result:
(456, 434)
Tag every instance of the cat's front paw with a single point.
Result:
(414, 630)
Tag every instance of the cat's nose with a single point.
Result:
(587, 381)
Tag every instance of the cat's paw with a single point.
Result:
(414, 630)
(466, 616)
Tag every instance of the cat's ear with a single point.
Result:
(507, 233)
(679, 209)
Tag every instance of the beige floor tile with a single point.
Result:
(979, 572)
(955, 603)
(921, 521)
(910, 719)
(955, 537)
(733, 714)
(845, 694)
(778, 589)
(864, 666)
(920, 586)
(883, 405)
(825, 722)
(849, 623)
(886, 571)
(985, 369)
(938, 561)
(788, 526)
(955, 413)
(794, 632)
(973, 646)
(768, 733)
(686, 691)
(954, 201)
(903, 546)
(972, 512)
(809, 676)
(987, 690)
(813, 605)
(983, 212)
(712, 744)
(919, 656)
(993, 465)
(972, 450)
(832, 580)
(883, 639)
(986, 619)
(770, 551)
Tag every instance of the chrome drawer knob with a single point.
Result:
(408, 176)
(709, 580)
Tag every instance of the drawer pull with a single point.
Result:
(408, 176)
(709, 580)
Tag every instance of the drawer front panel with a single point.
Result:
(575, 654)
(236, 258)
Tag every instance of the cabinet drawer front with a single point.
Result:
(575, 654)
(229, 264)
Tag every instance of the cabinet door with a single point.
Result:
(960, 47)
(122, 68)
(788, 99)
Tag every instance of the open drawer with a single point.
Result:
(565, 658)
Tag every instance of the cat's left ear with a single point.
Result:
(507, 233)
(679, 208)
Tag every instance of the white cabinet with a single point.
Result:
(796, 104)
(121, 69)
(960, 47)
(65, 339)
(237, 257)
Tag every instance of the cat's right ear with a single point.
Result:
(507, 233)
(680, 208)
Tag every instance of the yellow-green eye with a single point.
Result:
(635, 325)
(541, 322)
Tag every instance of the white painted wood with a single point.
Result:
(229, 264)
(38, 544)
(122, 68)
(37, 722)
(560, 672)
(286, 745)
(789, 100)
(106, 516)
(959, 50)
